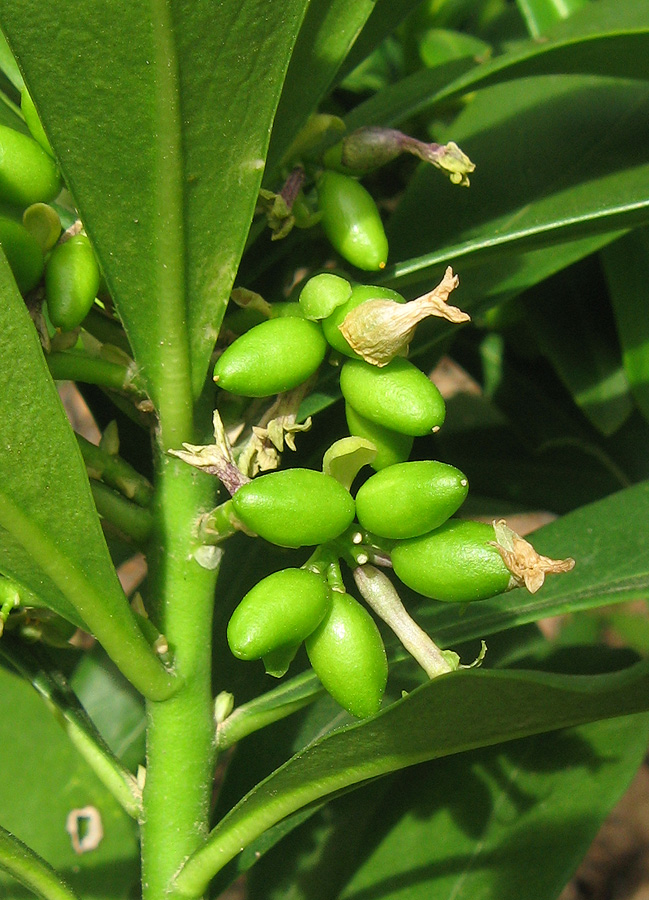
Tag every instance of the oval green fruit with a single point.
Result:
(27, 173)
(410, 498)
(455, 563)
(23, 253)
(71, 282)
(397, 396)
(278, 613)
(322, 294)
(352, 222)
(272, 357)
(360, 294)
(295, 507)
(391, 446)
(347, 654)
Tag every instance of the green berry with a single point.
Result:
(352, 222)
(410, 498)
(360, 294)
(272, 357)
(294, 507)
(278, 614)
(397, 396)
(23, 253)
(391, 446)
(455, 563)
(71, 282)
(27, 173)
(322, 294)
(348, 656)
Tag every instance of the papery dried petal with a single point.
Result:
(528, 567)
(379, 330)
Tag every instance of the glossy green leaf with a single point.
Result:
(39, 819)
(328, 32)
(610, 37)
(540, 15)
(112, 704)
(440, 718)
(183, 136)
(626, 266)
(589, 184)
(45, 500)
(572, 323)
(511, 821)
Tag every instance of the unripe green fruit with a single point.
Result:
(294, 507)
(322, 294)
(454, 563)
(352, 222)
(397, 396)
(272, 357)
(27, 173)
(360, 294)
(286, 309)
(391, 446)
(410, 499)
(33, 122)
(348, 656)
(23, 253)
(278, 613)
(71, 282)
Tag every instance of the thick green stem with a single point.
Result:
(31, 870)
(180, 743)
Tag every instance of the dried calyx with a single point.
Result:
(379, 330)
(528, 567)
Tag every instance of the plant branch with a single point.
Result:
(31, 870)
(270, 707)
(73, 366)
(116, 472)
(130, 519)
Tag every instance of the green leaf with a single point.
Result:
(586, 184)
(572, 323)
(610, 37)
(626, 266)
(181, 138)
(116, 710)
(329, 30)
(27, 728)
(453, 713)
(511, 821)
(540, 15)
(46, 505)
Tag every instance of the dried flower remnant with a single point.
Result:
(379, 330)
(369, 147)
(527, 566)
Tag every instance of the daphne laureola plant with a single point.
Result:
(233, 299)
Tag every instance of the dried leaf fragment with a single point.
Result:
(379, 330)
(527, 566)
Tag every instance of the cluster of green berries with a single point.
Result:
(401, 515)
(30, 228)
